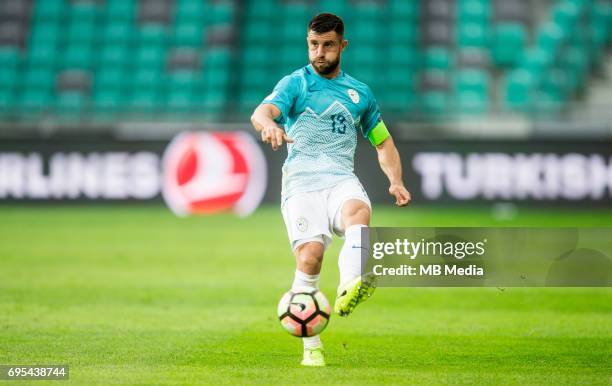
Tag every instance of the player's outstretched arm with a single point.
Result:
(263, 121)
(390, 163)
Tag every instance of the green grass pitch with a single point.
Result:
(132, 295)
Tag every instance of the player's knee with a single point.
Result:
(356, 213)
(309, 254)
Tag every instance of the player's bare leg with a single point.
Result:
(309, 257)
(354, 287)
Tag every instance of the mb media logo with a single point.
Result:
(211, 172)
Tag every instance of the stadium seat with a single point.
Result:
(474, 11)
(71, 103)
(120, 10)
(473, 35)
(509, 41)
(404, 10)
(184, 55)
(438, 58)
(110, 78)
(35, 100)
(434, 104)
(519, 86)
(48, 10)
(78, 56)
(402, 31)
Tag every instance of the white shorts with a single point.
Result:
(316, 215)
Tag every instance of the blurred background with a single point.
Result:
(501, 111)
(474, 81)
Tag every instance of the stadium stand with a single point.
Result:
(216, 59)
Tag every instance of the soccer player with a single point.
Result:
(321, 110)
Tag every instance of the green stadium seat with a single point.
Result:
(255, 54)
(189, 35)
(294, 56)
(180, 101)
(38, 78)
(48, 9)
(113, 56)
(250, 98)
(565, 14)
(83, 12)
(152, 35)
(221, 13)
(108, 100)
(434, 104)
(509, 41)
(468, 102)
(8, 78)
(117, 10)
(474, 80)
(145, 100)
(293, 31)
(537, 60)
(404, 10)
(556, 84)
(575, 61)
(217, 56)
(264, 10)
(81, 32)
(7, 100)
(45, 33)
(402, 32)
(78, 56)
(215, 100)
(110, 78)
(256, 31)
(42, 55)
(404, 56)
(518, 90)
(118, 32)
(473, 35)
(35, 100)
(147, 79)
(547, 104)
(152, 56)
(259, 78)
(366, 56)
(70, 102)
(437, 58)
(474, 11)
(190, 10)
(550, 37)
(400, 78)
(399, 101)
(182, 81)
(9, 57)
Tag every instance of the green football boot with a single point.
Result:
(353, 293)
(314, 357)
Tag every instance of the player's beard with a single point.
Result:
(327, 68)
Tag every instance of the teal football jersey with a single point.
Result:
(323, 116)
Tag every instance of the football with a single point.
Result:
(304, 311)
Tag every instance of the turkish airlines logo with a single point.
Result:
(207, 172)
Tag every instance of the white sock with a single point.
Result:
(349, 261)
(302, 279)
(305, 280)
(312, 342)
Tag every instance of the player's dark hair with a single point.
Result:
(325, 22)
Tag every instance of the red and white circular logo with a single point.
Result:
(209, 172)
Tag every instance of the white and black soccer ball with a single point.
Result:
(304, 311)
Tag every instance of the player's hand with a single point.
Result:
(275, 136)
(401, 194)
